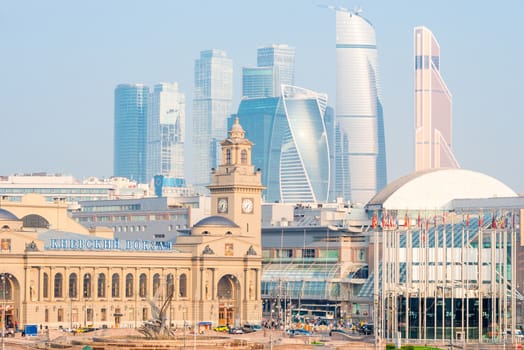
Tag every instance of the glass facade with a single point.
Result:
(433, 106)
(290, 144)
(282, 57)
(259, 82)
(130, 134)
(361, 160)
(166, 132)
(212, 105)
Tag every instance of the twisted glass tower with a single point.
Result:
(433, 106)
(361, 164)
(290, 144)
(130, 133)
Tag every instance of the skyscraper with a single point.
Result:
(166, 131)
(361, 166)
(433, 106)
(258, 82)
(280, 56)
(290, 144)
(130, 133)
(211, 107)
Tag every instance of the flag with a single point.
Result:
(374, 220)
(481, 220)
(467, 220)
(419, 222)
(493, 221)
(406, 220)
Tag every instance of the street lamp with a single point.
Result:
(4, 277)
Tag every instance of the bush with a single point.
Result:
(390, 347)
(408, 347)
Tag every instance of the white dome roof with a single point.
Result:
(435, 189)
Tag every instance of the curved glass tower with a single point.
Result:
(290, 144)
(361, 166)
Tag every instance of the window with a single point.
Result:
(115, 281)
(156, 283)
(170, 285)
(60, 315)
(182, 285)
(243, 156)
(228, 156)
(144, 314)
(46, 285)
(285, 253)
(73, 285)
(142, 288)
(308, 253)
(87, 286)
(129, 285)
(103, 314)
(58, 285)
(101, 288)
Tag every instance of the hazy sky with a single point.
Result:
(61, 60)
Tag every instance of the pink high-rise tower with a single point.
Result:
(433, 106)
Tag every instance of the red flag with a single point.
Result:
(406, 220)
(374, 220)
(493, 221)
(467, 220)
(481, 220)
(419, 223)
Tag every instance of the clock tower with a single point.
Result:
(236, 187)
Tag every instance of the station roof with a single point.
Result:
(437, 188)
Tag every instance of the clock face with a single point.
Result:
(247, 205)
(222, 205)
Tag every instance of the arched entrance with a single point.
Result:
(229, 301)
(9, 311)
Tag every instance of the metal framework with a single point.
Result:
(445, 277)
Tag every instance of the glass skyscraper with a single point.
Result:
(212, 105)
(361, 162)
(433, 106)
(260, 82)
(130, 131)
(290, 144)
(166, 131)
(280, 56)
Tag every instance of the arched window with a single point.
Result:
(129, 285)
(170, 285)
(243, 156)
(182, 285)
(45, 285)
(58, 285)
(228, 156)
(156, 283)
(87, 286)
(101, 287)
(142, 288)
(73, 285)
(115, 285)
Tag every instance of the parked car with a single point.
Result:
(298, 331)
(236, 330)
(221, 329)
(366, 329)
(249, 328)
(9, 332)
(518, 333)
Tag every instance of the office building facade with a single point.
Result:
(280, 56)
(433, 106)
(130, 131)
(362, 164)
(211, 107)
(166, 130)
(291, 144)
